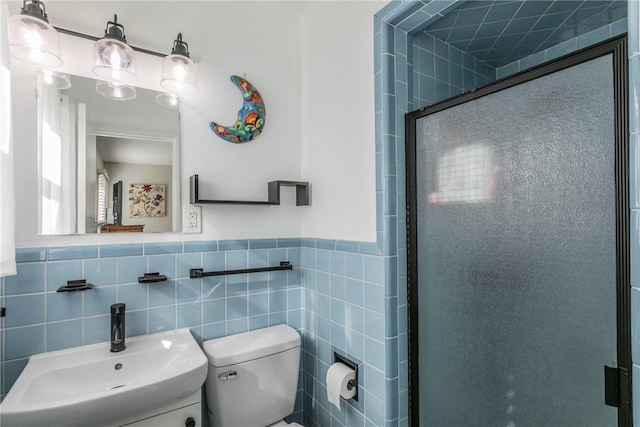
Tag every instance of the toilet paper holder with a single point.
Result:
(352, 383)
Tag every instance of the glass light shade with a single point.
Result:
(168, 100)
(34, 40)
(179, 74)
(114, 61)
(115, 91)
(56, 80)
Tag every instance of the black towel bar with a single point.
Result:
(196, 273)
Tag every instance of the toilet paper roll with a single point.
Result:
(338, 376)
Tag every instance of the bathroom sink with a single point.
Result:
(89, 385)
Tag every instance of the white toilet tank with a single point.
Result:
(253, 377)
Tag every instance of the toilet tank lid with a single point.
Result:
(251, 345)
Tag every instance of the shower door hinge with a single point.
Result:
(617, 387)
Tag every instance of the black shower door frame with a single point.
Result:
(617, 47)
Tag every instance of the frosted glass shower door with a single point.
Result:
(516, 250)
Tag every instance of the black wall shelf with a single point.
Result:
(302, 194)
(75, 285)
(152, 278)
(196, 273)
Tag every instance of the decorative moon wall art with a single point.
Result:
(251, 116)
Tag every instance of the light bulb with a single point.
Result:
(114, 59)
(179, 72)
(113, 56)
(32, 36)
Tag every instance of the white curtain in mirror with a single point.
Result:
(7, 200)
(57, 158)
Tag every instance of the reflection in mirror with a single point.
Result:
(87, 143)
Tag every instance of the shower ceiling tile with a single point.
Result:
(479, 46)
(462, 45)
(531, 41)
(507, 41)
(502, 11)
(470, 17)
(551, 22)
(500, 32)
(462, 33)
(564, 6)
(519, 26)
(532, 9)
(490, 29)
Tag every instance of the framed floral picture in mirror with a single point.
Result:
(147, 200)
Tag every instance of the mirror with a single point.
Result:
(105, 165)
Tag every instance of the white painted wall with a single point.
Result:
(274, 46)
(337, 107)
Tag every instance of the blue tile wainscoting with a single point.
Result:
(334, 296)
(39, 319)
(345, 301)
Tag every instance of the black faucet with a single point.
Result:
(117, 327)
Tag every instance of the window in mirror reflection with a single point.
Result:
(101, 198)
(87, 142)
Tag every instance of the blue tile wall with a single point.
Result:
(613, 29)
(441, 71)
(338, 319)
(498, 32)
(39, 319)
(434, 71)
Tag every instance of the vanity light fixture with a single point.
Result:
(32, 38)
(178, 69)
(114, 59)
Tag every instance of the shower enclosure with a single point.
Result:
(518, 249)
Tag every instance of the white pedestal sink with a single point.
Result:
(89, 385)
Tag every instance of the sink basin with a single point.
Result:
(89, 385)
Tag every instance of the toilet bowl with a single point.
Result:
(252, 377)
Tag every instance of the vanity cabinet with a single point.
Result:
(184, 417)
(186, 412)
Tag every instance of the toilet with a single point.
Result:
(252, 377)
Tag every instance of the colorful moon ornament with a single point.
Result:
(251, 117)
